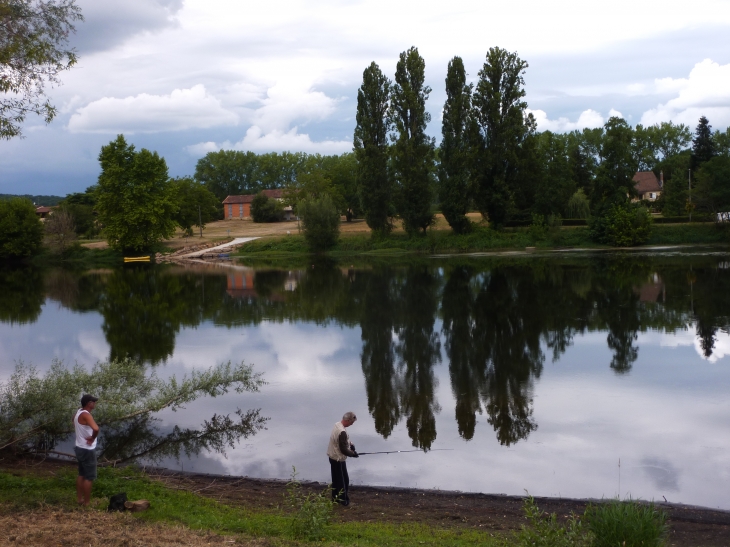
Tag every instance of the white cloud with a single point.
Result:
(182, 109)
(706, 92)
(202, 148)
(588, 118)
(273, 122)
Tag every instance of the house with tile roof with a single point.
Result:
(648, 186)
(239, 207)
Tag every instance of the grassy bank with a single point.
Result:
(27, 491)
(483, 240)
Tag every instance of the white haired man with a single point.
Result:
(338, 450)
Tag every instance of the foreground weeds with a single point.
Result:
(28, 493)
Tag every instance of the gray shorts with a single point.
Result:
(87, 463)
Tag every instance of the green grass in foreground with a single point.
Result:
(181, 507)
(483, 240)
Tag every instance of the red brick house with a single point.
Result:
(240, 206)
(647, 185)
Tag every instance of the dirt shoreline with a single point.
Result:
(691, 526)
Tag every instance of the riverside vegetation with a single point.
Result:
(302, 518)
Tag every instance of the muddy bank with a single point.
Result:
(690, 526)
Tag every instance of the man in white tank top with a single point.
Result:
(86, 433)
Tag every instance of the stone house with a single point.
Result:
(648, 186)
(240, 206)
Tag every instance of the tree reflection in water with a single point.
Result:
(497, 317)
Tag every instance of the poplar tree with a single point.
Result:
(500, 111)
(454, 165)
(371, 149)
(413, 150)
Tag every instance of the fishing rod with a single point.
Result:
(400, 451)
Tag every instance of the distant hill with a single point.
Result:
(47, 201)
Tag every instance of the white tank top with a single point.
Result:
(83, 432)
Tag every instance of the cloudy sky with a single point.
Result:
(185, 77)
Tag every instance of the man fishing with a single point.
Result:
(338, 450)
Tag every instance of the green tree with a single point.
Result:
(669, 139)
(320, 222)
(455, 151)
(80, 206)
(229, 173)
(703, 145)
(265, 209)
(500, 111)
(722, 142)
(675, 170)
(196, 204)
(371, 150)
(413, 150)
(33, 52)
(614, 178)
(555, 184)
(579, 206)
(135, 197)
(342, 171)
(21, 231)
(713, 185)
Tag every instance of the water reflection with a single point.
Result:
(495, 322)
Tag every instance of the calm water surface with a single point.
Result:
(536, 373)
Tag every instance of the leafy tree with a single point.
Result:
(703, 145)
(265, 209)
(80, 206)
(371, 149)
(33, 51)
(342, 171)
(36, 409)
(455, 151)
(669, 139)
(722, 142)
(135, 197)
(614, 179)
(313, 182)
(320, 222)
(21, 231)
(60, 230)
(196, 204)
(500, 111)
(713, 185)
(675, 170)
(229, 173)
(413, 150)
(555, 184)
(644, 149)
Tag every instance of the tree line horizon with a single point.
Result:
(492, 159)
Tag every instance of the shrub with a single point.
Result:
(320, 222)
(60, 230)
(627, 523)
(546, 531)
(264, 209)
(623, 225)
(21, 231)
(312, 512)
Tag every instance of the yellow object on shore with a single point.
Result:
(136, 258)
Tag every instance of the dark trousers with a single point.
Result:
(340, 481)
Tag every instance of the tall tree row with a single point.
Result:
(412, 150)
(371, 149)
(455, 165)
